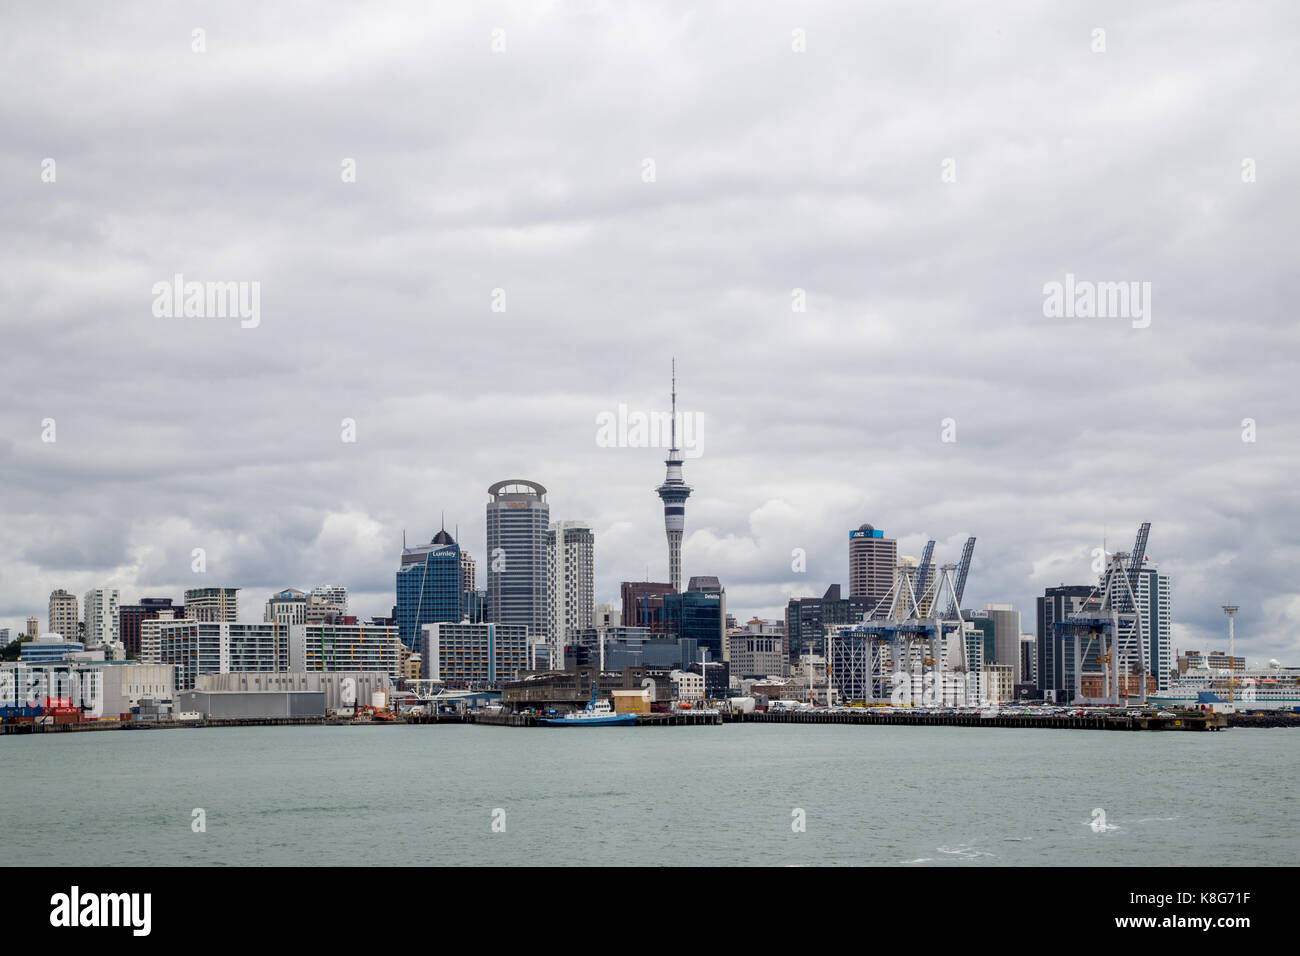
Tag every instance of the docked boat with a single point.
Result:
(1270, 688)
(597, 713)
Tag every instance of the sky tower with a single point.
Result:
(674, 492)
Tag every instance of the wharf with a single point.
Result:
(1184, 720)
(1187, 720)
(683, 719)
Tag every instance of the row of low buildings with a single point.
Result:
(116, 628)
(116, 690)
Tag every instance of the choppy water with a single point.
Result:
(913, 796)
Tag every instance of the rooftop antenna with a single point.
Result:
(673, 420)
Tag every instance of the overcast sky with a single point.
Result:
(921, 170)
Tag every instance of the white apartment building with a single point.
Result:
(334, 595)
(570, 565)
(150, 649)
(473, 656)
(212, 604)
(345, 647)
(102, 623)
(221, 647)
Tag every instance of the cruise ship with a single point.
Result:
(1260, 688)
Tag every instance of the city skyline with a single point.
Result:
(254, 613)
(848, 255)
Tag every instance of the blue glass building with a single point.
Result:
(48, 649)
(429, 587)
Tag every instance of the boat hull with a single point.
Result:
(614, 720)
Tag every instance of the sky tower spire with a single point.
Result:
(674, 492)
(672, 422)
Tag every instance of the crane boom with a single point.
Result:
(923, 574)
(1138, 556)
(959, 585)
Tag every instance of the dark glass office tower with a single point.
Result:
(699, 614)
(1056, 605)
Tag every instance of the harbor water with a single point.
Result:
(739, 794)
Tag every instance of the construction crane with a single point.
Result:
(959, 586)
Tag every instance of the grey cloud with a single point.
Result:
(775, 170)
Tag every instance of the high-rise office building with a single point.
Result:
(518, 519)
(807, 619)
(699, 614)
(132, 616)
(873, 563)
(1028, 659)
(468, 573)
(334, 595)
(1006, 637)
(286, 607)
(981, 641)
(1153, 598)
(292, 606)
(643, 603)
(571, 594)
(429, 586)
(64, 616)
(101, 609)
(607, 615)
(1054, 606)
(674, 492)
(212, 604)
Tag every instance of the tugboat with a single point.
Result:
(597, 713)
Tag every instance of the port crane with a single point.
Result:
(902, 638)
(1110, 623)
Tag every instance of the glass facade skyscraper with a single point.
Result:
(1054, 606)
(699, 614)
(518, 519)
(429, 587)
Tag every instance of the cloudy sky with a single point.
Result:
(643, 181)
